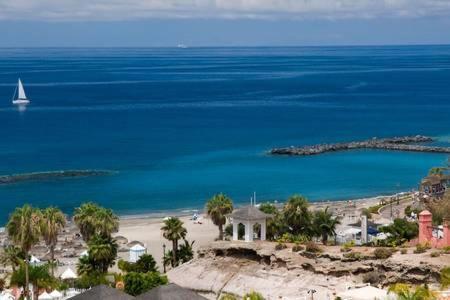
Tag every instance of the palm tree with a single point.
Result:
(324, 224)
(297, 216)
(106, 222)
(92, 219)
(173, 230)
(12, 256)
(217, 208)
(84, 218)
(53, 220)
(102, 252)
(405, 292)
(24, 230)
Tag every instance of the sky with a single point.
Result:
(166, 23)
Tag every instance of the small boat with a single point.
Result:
(21, 97)
(182, 46)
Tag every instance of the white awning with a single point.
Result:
(45, 296)
(56, 294)
(68, 274)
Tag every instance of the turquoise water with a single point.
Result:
(182, 124)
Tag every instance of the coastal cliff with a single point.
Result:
(238, 267)
(406, 143)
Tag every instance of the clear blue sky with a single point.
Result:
(103, 23)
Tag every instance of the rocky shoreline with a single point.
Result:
(16, 178)
(405, 143)
(238, 267)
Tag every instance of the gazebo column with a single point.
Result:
(236, 229)
(263, 230)
(248, 231)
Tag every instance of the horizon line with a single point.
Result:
(231, 46)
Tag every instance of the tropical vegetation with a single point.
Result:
(400, 231)
(174, 231)
(138, 283)
(407, 292)
(52, 222)
(24, 230)
(93, 219)
(217, 208)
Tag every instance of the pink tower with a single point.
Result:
(425, 227)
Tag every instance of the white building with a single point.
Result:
(249, 216)
(137, 251)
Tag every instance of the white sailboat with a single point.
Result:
(21, 97)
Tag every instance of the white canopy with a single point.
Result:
(34, 260)
(56, 294)
(45, 296)
(138, 247)
(365, 293)
(68, 274)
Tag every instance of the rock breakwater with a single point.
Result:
(50, 175)
(405, 143)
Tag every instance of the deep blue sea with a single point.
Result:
(179, 125)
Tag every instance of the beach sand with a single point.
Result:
(148, 231)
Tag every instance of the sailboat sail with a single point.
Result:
(21, 94)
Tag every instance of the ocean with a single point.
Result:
(179, 125)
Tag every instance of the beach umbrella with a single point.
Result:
(68, 274)
(45, 296)
(56, 294)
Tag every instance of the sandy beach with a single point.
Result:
(148, 231)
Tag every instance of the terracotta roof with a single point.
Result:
(170, 292)
(249, 213)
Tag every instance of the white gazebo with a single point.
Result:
(249, 216)
(137, 251)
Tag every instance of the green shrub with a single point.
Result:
(353, 255)
(145, 263)
(312, 247)
(89, 280)
(228, 297)
(446, 250)
(293, 238)
(382, 253)
(297, 248)
(404, 251)
(435, 254)
(346, 247)
(421, 248)
(253, 296)
(138, 283)
(280, 246)
(374, 209)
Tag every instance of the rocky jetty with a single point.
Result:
(50, 175)
(406, 143)
(238, 267)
